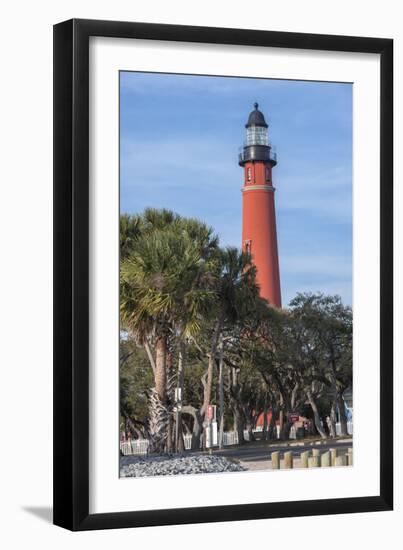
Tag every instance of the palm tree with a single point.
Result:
(236, 291)
(163, 294)
(129, 230)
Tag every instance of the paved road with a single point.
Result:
(254, 453)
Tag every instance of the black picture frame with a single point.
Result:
(71, 273)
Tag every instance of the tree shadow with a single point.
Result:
(45, 513)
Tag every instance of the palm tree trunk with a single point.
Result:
(169, 435)
(180, 446)
(160, 368)
(210, 368)
(158, 423)
(221, 393)
(169, 390)
(159, 415)
(208, 386)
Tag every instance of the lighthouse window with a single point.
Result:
(268, 175)
(257, 135)
(248, 174)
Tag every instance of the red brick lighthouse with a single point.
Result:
(259, 233)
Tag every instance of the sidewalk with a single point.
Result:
(278, 443)
(256, 463)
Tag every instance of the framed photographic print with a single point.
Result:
(223, 274)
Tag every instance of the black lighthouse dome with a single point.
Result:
(257, 147)
(256, 118)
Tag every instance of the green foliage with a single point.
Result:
(167, 277)
(178, 285)
(136, 378)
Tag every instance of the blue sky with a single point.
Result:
(179, 141)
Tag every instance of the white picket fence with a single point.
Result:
(349, 428)
(230, 438)
(187, 440)
(134, 447)
(140, 446)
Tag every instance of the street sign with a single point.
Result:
(293, 417)
(211, 412)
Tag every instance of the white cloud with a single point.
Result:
(176, 158)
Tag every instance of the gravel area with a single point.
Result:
(135, 466)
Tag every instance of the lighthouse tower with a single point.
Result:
(259, 234)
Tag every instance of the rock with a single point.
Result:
(132, 466)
